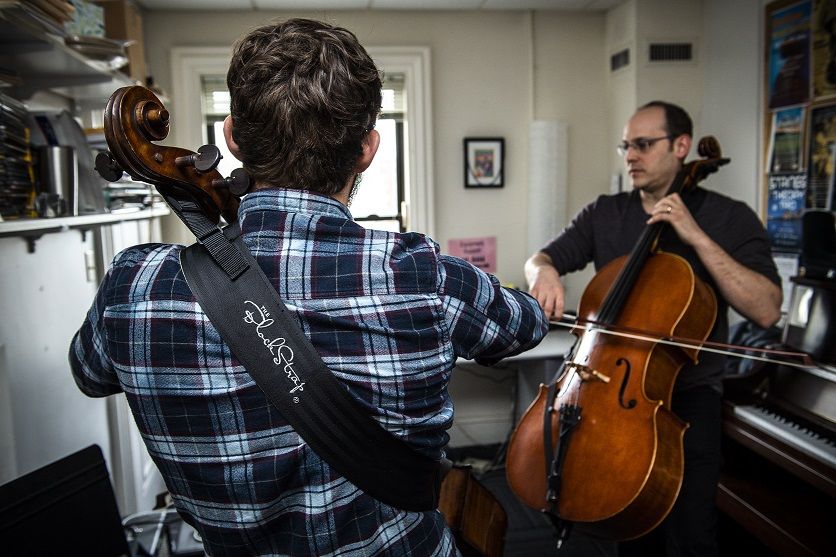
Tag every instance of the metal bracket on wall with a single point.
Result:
(31, 238)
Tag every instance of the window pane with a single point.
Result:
(388, 225)
(394, 99)
(228, 162)
(215, 100)
(378, 192)
(215, 106)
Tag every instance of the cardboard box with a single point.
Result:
(123, 21)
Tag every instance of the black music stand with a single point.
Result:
(818, 245)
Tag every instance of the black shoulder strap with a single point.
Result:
(267, 339)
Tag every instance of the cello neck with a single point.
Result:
(643, 248)
(686, 179)
(619, 292)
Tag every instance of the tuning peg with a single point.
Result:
(107, 167)
(238, 183)
(206, 159)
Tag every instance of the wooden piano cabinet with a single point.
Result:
(786, 513)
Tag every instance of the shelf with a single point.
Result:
(43, 61)
(37, 227)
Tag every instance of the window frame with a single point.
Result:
(188, 64)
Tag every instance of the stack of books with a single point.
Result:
(17, 179)
(49, 16)
(124, 195)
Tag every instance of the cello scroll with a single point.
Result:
(694, 172)
(134, 120)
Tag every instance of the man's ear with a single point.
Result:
(681, 146)
(370, 144)
(230, 143)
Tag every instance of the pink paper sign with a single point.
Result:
(481, 252)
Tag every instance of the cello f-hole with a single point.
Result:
(632, 402)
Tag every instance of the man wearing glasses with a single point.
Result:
(727, 247)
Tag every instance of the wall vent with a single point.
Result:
(671, 52)
(620, 59)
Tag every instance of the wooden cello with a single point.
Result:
(600, 448)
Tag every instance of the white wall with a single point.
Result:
(733, 94)
(677, 82)
(481, 85)
(621, 84)
(45, 296)
(570, 86)
(494, 72)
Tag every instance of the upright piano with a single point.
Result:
(779, 477)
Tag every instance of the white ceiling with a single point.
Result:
(568, 5)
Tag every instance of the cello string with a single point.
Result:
(670, 342)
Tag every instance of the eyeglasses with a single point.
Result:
(640, 144)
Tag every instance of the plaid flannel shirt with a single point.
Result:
(389, 316)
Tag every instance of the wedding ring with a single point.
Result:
(669, 209)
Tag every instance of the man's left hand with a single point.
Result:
(672, 209)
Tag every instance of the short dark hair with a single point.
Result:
(304, 94)
(677, 121)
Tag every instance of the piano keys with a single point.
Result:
(776, 431)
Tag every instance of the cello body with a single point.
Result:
(623, 465)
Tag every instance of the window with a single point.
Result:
(380, 198)
(396, 190)
(215, 108)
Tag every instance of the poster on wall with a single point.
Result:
(481, 252)
(824, 48)
(821, 154)
(789, 55)
(785, 206)
(786, 150)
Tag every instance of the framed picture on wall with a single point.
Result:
(786, 144)
(822, 156)
(824, 48)
(788, 42)
(484, 162)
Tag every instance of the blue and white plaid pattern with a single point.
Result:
(388, 314)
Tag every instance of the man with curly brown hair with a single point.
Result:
(387, 312)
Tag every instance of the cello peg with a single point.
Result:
(206, 159)
(107, 167)
(238, 183)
